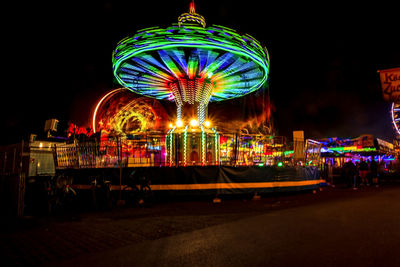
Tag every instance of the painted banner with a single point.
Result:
(390, 81)
(299, 145)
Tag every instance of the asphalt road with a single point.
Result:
(335, 227)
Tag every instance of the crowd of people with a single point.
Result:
(360, 173)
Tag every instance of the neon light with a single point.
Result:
(349, 149)
(170, 145)
(288, 152)
(74, 129)
(216, 136)
(203, 146)
(98, 105)
(185, 146)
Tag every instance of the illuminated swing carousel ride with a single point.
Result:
(192, 65)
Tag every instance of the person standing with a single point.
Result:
(350, 171)
(346, 173)
(330, 174)
(363, 168)
(374, 172)
(381, 169)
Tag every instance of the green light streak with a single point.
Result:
(215, 38)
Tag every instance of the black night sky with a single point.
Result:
(323, 69)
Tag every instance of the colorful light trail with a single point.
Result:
(109, 94)
(191, 64)
(120, 112)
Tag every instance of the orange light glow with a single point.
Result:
(179, 123)
(192, 9)
(98, 105)
(194, 122)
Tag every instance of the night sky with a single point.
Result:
(323, 69)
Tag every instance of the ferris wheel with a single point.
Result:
(396, 117)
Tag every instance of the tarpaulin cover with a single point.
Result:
(207, 179)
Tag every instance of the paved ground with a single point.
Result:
(335, 227)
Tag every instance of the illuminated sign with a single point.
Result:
(74, 129)
(349, 149)
(390, 81)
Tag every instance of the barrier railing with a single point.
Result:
(150, 150)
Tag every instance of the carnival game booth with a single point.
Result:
(337, 151)
(367, 147)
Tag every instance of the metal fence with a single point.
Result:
(151, 150)
(141, 150)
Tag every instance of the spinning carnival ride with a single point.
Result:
(191, 65)
(121, 113)
(396, 117)
(131, 132)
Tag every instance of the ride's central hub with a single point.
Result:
(193, 94)
(192, 17)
